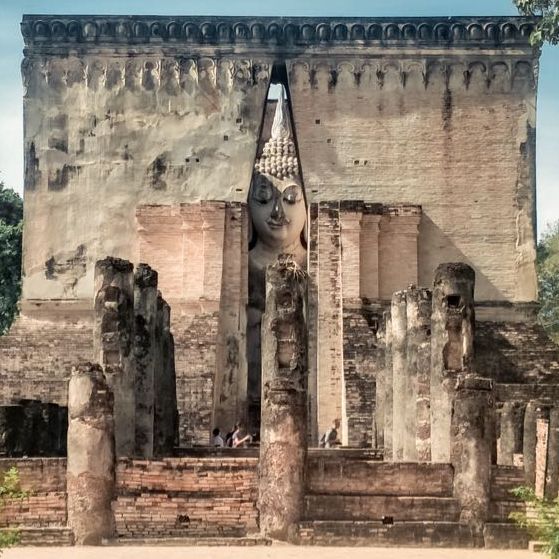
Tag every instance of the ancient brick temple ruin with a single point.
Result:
(289, 223)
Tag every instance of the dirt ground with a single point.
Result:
(270, 552)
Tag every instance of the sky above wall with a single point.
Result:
(11, 45)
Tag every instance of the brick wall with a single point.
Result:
(503, 502)
(186, 497)
(455, 136)
(195, 360)
(331, 472)
(45, 480)
(363, 359)
(513, 352)
(37, 355)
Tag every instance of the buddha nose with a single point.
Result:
(277, 210)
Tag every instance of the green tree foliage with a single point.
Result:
(10, 489)
(548, 280)
(11, 226)
(541, 519)
(547, 28)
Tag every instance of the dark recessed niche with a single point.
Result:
(239, 120)
(329, 141)
(314, 191)
(453, 301)
(356, 162)
(197, 160)
(317, 121)
(225, 138)
(187, 160)
(239, 189)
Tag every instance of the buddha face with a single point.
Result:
(278, 211)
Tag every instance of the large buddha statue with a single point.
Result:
(278, 217)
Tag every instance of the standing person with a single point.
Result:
(330, 438)
(217, 439)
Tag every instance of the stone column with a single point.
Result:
(90, 474)
(165, 388)
(112, 338)
(552, 470)
(417, 444)
(145, 316)
(399, 368)
(542, 443)
(529, 443)
(283, 446)
(388, 388)
(452, 339)
(473, 417)
(511, 428)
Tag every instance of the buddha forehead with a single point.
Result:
(265, 180)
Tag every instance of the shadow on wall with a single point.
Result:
(433, 240)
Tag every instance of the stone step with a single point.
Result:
(501, 510)
(194, 541)
(371, 533)
(505, 535)
(375, 507)
(47, 536)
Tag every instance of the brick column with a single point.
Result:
(112, 335)
(313, 322)
(330, 378)
(283, 446)
(350, 230)
(369, 256)
(397, 252)
(90, 476)
(145, 318)
(472, 431)
(213, 227)
(231, 380)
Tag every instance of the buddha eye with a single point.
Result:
(263, 192)
(292, 194)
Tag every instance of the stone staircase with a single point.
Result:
(371, 503)
(368, 502)
(500, 531)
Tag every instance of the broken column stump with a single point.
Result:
(145, 356)
(283, 446)
(165, 428)
(399, 373)
(472, 437)
(91, 456)
(112, 338)
(417, 441)
(452, 346)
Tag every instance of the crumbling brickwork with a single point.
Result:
(186, 497)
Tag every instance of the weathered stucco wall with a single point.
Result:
(127, 111)
(107, 129)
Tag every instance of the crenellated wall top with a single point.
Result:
(42, 33)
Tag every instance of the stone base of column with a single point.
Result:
(91, 456)
(472, 435)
